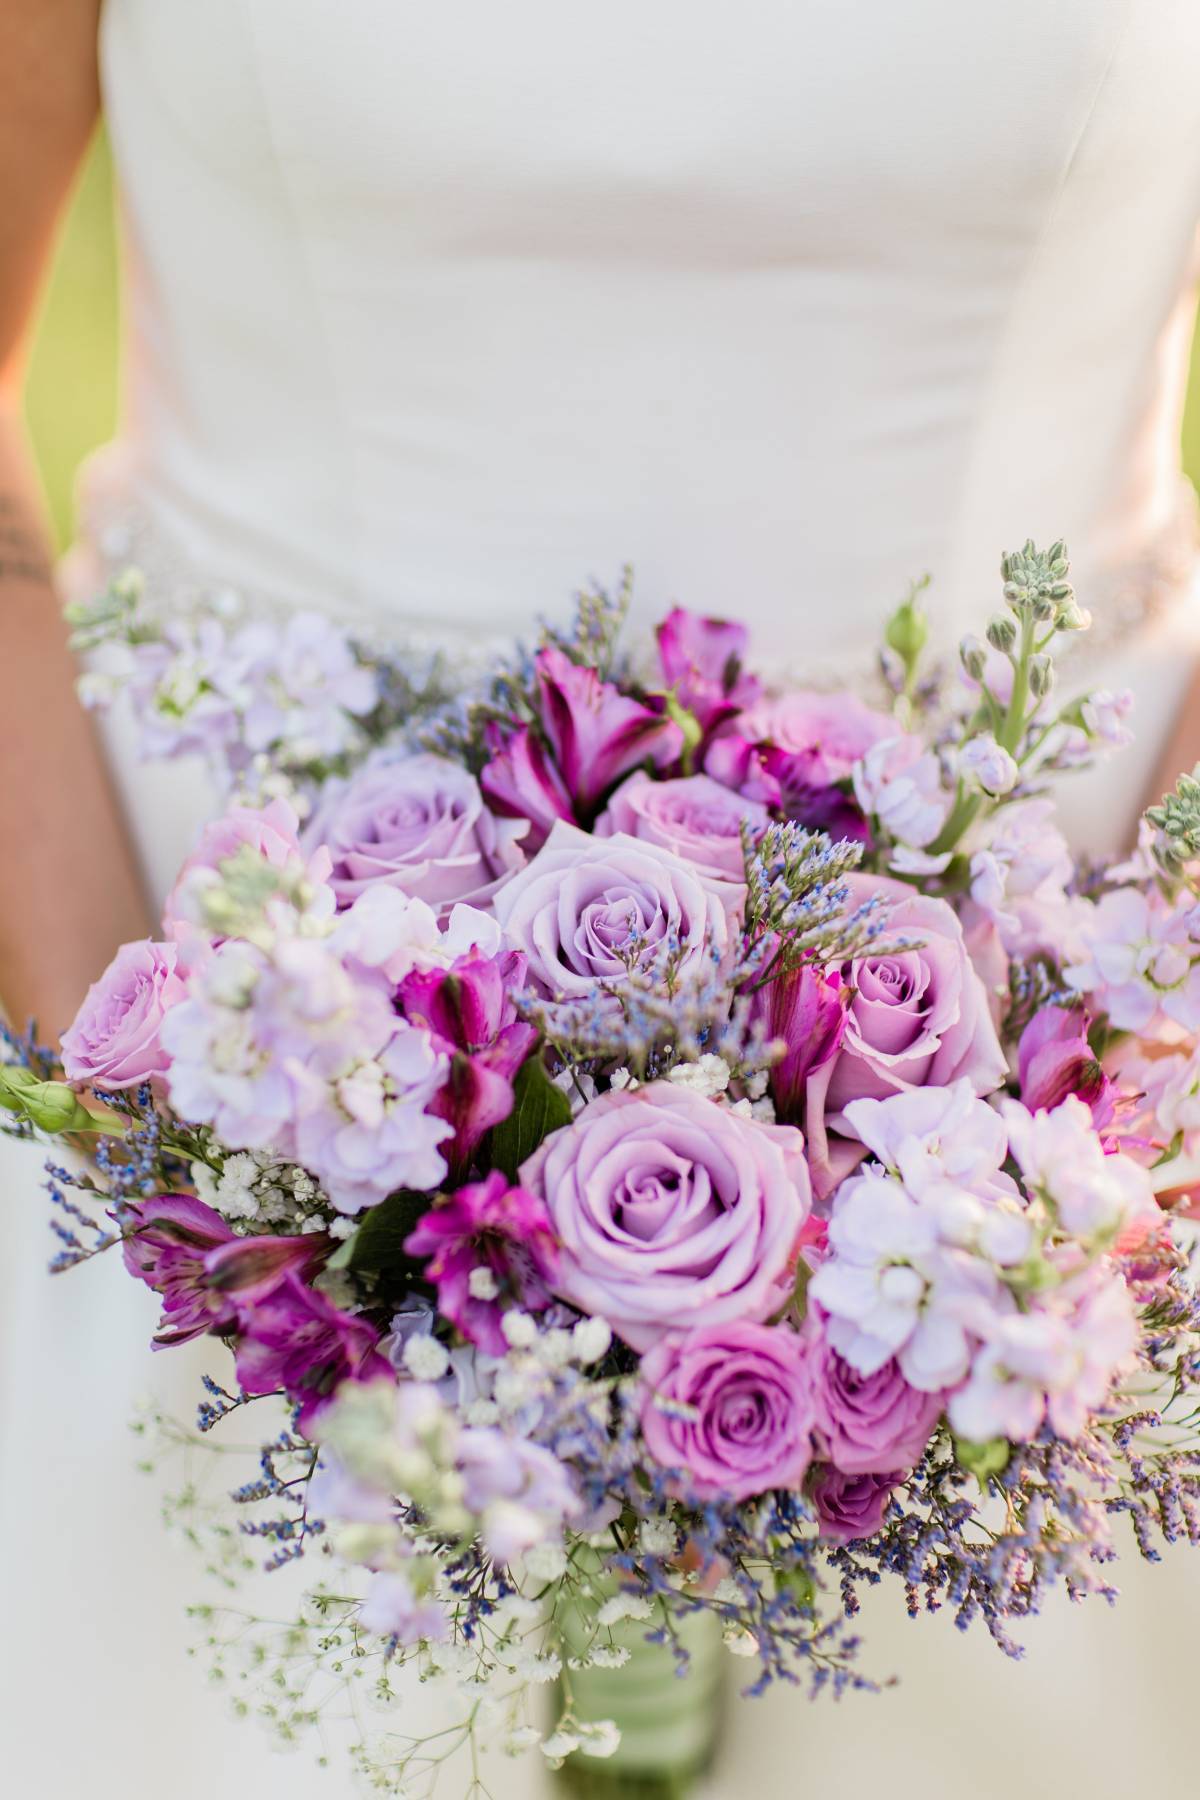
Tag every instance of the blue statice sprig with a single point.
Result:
(798, 906)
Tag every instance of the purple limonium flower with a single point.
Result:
(469, 1012)
(597, 734)
(702, 663)
(115, 1039)
(1055, 1059)
(295, 1339)
(187, 1253)
(522, 782)
(850, 1506)
(729, 1409)
(805, 1009)
(489, 1246)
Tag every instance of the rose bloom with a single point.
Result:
(730, 1408)
(418, 823)
(831, 731)
(850, 1506)
(695, 817)
(586, 906)
(867, 1424)
(672, 1212)
(115, 1039)
(919, 1017)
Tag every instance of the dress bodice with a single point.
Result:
(436, 311)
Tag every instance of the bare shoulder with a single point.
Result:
(49, 102)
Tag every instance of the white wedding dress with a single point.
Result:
(434, 312)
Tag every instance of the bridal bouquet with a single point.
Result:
(683, 1151)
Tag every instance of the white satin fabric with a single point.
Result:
(432, 312)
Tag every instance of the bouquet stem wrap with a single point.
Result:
(670, 1722)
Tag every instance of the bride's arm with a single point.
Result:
(68, 890)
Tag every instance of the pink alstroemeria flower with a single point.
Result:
(295, 1339)
(702, 663)
(469, 1010)
(501, 1233)
(187, 1253)
(521, 782)
(597, 734)
(806, 1009)
(1054, 1059)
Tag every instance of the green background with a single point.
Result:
(72, 387)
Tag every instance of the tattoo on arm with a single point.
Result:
(22, 554)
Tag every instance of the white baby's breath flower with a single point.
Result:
(609, 1656)
(598, 1737)
(591, 1339)
(521, 1738)
(340, 1228)
(708, 1076)
(536, 1666)
(481, 1412)
(559, 1744)
(623, 1606)
(519, 1328)
(546, 1562)
(425, 1358)
(658, 1537)
(727, 1592)
(739, 1641)
(621, 1079)
(482, 1284)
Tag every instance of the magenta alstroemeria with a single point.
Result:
(806, 1009)
(702, 663)
(172, 1238)
(791, 782)
(295, 1339)
(521, 782)
(1055, 1059)
(505, 1233)
(597, 734)
(469, 1010)
(187, 1253)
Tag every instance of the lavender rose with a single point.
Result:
(868, 1424)
(850, 1506)
(730, 1408)
(418, 823)
(115, 1040)
(672, 1212)
(695, 818)
(918, 1018)
(586, 908)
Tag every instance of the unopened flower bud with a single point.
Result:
(907, 631)
(973, 655)
(1041, 675)
(985, 762)
(1002, 632)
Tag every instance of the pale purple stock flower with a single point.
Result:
(898, 781)
(1139, 957)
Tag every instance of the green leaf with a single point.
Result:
(377, 1247)
(538, 1109)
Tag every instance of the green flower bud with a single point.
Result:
(973, 655)
(1002, 632)
(983, 1460)
(907, 631)
(1041, 675)
(51, 1105)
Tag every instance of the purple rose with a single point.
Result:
(694, 817)
(672, 1212)
(469, 1011)
(701, 661)
(273, 832)
(867, 1424)
(850, 1506)
(587, 909)
(1054, 1059)
(730, 1408)
(418, 823)
(502, 1233)
(918, 1018)
(115, 1040)
(295, 1339)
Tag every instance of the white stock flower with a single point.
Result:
(1063, 1159)
(984, 763)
